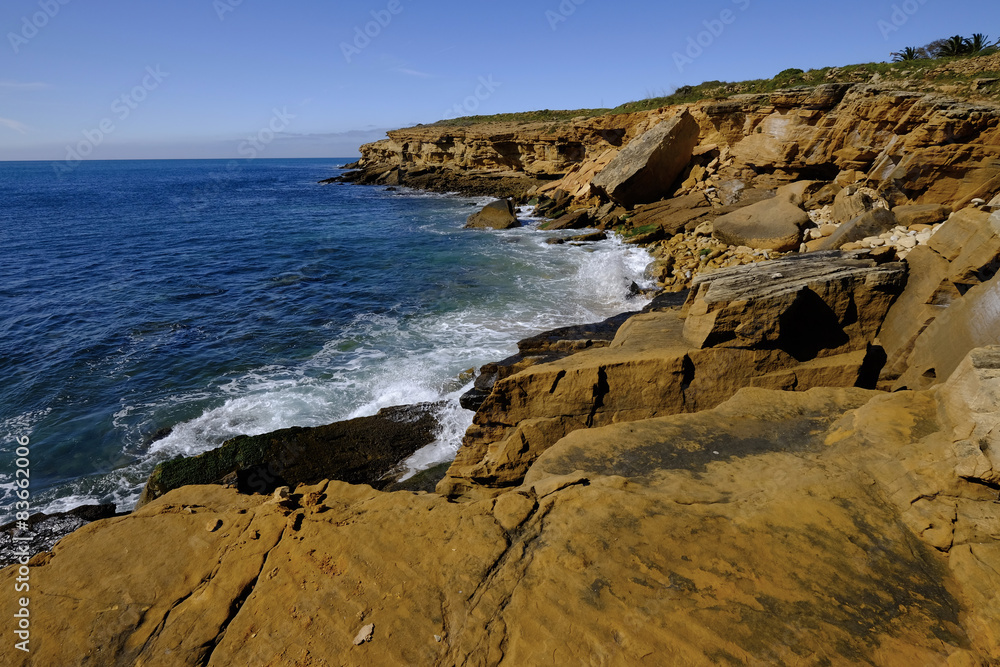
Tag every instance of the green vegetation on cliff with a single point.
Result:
(966, 76)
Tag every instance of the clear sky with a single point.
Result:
(231, 78)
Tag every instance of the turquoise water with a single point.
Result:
(212, 299)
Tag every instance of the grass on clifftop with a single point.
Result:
(952, 76)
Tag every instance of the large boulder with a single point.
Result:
(362, 451)
(499, 214)
(773, 224)
(646, 168)
(970, 322)
(813, 305)
(921, 214)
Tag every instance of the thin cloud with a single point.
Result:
(20, 85)
(413, 72)
(14, 125)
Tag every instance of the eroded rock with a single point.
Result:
(499, 214)
(644, 170)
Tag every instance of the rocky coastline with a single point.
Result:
(790, 456)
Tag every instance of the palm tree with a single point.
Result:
(909, 53)
(954, 46)
(980, 43)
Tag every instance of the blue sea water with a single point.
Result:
(212, 300)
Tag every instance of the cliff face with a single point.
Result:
(916, 147)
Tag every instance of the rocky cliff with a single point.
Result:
(913, 145)
(723, 478)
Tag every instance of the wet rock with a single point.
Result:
(495, 215)
(362, 451)
(774, 224)
(45, 530)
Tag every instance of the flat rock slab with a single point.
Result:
(779, 525)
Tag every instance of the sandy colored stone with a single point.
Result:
(772, 224)
(833, 523)
(495, 215)
(921, 214)
(646, 167)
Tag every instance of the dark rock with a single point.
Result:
(499, 214)
(425, 480)
(45, 530)
(671, 216)
(592, 237)
(359, 451)
(575, 220)
(826, 196)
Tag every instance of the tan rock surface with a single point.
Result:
(646, 167)
(775, 224)
(835, 526)
(765, 321)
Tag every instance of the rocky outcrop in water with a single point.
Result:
(365, 450)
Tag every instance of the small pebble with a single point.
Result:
(365, 634)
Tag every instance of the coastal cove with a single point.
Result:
(158, 308)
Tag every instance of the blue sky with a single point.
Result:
(231, 78)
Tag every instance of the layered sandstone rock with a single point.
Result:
(791, 324)
(914, 147)
(648, 165)
(842, 525)
(950, 305)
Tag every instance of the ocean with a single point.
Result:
(155, 308)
